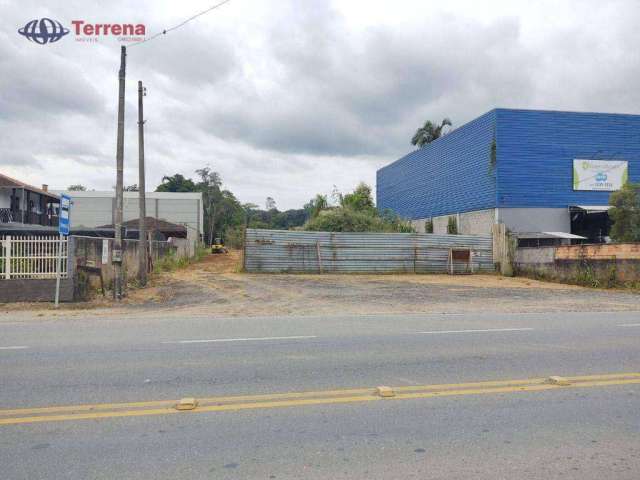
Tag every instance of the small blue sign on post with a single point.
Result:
(64, 221)
(64, 226)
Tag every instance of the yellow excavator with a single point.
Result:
(218, 246)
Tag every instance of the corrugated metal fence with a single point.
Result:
(319, 252)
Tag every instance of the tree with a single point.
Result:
(132, 188)
(76, 188)
(270, 203)
(360, 199)
(209, 185)
(429, 132)
(176, 183)
(625, 213)
(314, 206)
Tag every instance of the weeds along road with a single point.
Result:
(92, 397)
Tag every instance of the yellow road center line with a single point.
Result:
(250, 398)
(245, 402)
(291, 395)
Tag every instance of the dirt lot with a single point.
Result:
(214, 286)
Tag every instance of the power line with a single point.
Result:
(175, 27)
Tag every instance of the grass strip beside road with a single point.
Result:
(17, 416)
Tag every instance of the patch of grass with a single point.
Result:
(172, 262)
(201, 252)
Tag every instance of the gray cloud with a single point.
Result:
(287, 99)
(337, 97)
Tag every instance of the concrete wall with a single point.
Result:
(535, 256)
(591, 265)
(610, 251)
(535, 219)
(516, 219)
(469, 223)
(34, 290)
(87, 252)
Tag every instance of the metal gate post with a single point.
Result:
(7, 257)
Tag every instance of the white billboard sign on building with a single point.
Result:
(600, 175)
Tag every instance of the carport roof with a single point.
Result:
(591, 208)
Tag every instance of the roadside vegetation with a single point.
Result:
(172, 262)
(625, 214)
(354, 212)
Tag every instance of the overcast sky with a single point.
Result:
(286, 98)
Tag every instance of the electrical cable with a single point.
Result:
(175, 27)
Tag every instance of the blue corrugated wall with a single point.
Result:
(535, 152)
(451, 174)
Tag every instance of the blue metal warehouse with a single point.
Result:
(533, 170)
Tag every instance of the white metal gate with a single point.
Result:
(32, 256)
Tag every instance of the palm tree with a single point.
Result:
(429, 132)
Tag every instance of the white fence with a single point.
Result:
(31, 256)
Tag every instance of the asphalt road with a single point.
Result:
(561, 433)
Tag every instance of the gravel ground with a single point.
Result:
(214, 287)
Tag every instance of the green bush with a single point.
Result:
(234, 237)
(452, 226)
(428, 226)
(345, 219)
(625, 213)
(171, 262)
(201, 252)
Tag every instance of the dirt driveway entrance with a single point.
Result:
(214, 287)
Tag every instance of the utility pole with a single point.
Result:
(142, 226)
(117, 256)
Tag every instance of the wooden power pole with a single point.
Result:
(142, 226)
(117, 255)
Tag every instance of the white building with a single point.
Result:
(93, 209)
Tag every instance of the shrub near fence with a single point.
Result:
(321, 252)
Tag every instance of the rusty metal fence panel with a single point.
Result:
(324, 252)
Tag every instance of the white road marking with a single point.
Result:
(630, 325)
(14, 347)
(249, 339)
(486, 330)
